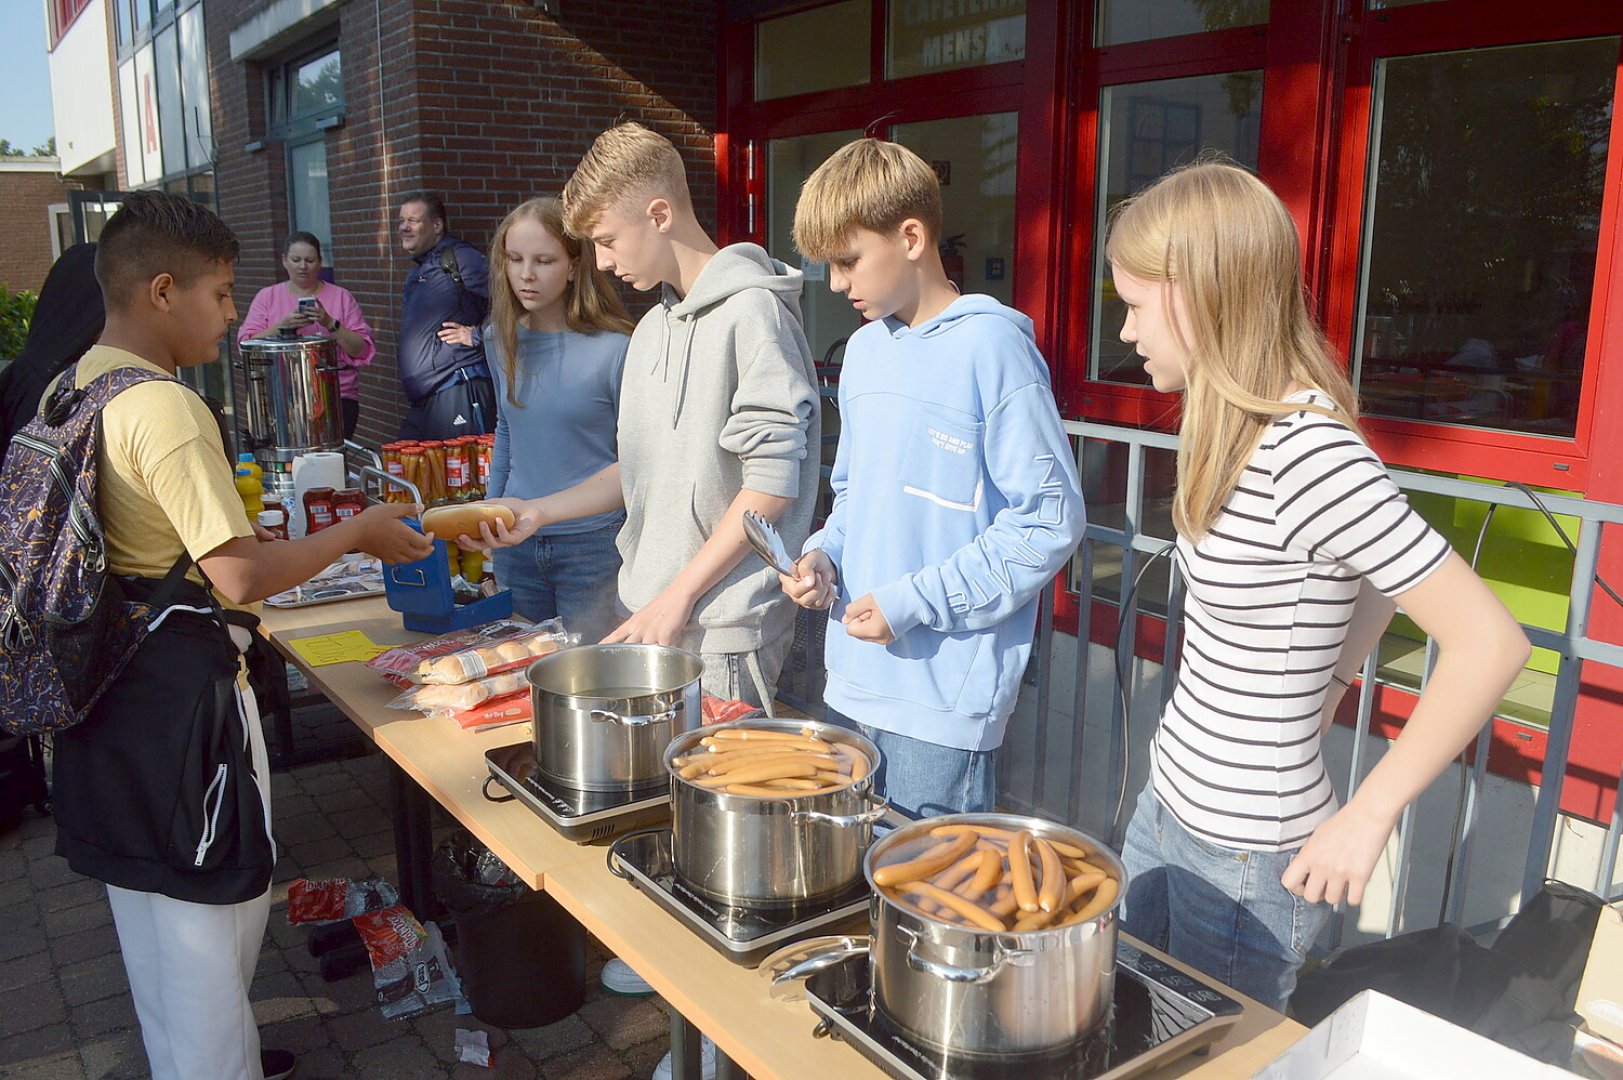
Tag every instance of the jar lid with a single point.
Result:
(271, 517)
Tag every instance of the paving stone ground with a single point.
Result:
(65, 1011)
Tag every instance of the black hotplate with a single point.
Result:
(578, 814)
(742, 934)
(1159, 1013)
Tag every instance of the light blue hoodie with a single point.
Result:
(955, 501)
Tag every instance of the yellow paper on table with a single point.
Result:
(337, 648)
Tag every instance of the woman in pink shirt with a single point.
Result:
(334, 313)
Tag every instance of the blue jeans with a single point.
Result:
(1219, 910)
(922, 779)
(572, 577)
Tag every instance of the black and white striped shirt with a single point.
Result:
(1270, 594)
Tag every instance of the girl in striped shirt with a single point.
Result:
(1296, 546)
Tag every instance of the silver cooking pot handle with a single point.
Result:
(881, 807)
(788, 985)
(1002, 956)
(607, 716)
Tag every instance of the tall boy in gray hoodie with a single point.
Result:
(719, 413)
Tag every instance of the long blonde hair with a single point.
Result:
(1223, 240)
(590, 302)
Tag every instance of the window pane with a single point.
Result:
(129, 107)
(307, 190)
(171, 111)
(1147, 129)
(143, 14)
(811, 50)
(194, 95)
(829, 318)
(1486, 174)
(121, 19)
(1141, 20)
(926, 36)
(975, 158)
(317, 85)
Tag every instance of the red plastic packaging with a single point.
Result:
(319, 512)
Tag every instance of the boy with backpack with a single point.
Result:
(162, 789)
(955, 489)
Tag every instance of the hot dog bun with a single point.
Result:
(450, 522)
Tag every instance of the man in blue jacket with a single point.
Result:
(447, 385)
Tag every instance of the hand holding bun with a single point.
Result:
(450, 522)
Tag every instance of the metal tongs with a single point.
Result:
(764, 538)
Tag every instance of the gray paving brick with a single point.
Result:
(315, 854)
(326, 783)
(71, 948)
(21, 940)
(293, 831)
(505, 1065)
(362, 821)
(32, 1007)
(33, 968)
(279, 997)
(402, 1055)
(299, 1036)
(26, 913)
(624, 1021)
(349, 866)
(346, 800)
(323, 1064)
(63, 1066)
(76, 920)
(95, 1018)
(34, 1047)
(438, 1032)
(357, 1031)
(76, 892)
(50, 870)
(351, 995)
(373, 845)
(565, 1037)
(117, 1056)
(16, 890)
(593, 1063)
(92, 980)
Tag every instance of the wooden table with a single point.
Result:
(730, 1003)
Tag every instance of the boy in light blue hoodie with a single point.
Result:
(955, 489)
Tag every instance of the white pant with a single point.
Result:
(190, 966)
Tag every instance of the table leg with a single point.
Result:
(413, 842)
(685, 1061)
(268, 673)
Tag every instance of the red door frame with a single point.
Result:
(1314, 143)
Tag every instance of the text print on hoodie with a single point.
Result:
(719, 394)
(955, 502)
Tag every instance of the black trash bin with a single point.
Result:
(521, 956)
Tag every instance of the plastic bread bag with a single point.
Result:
(402, 661)
(493, 658)
(332, 899)
(411, 969)
(449, 700)
(495, 713)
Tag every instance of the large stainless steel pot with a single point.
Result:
(603, 713)
(745, 851)
(292, 405)
(986, 994)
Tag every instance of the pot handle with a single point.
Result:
(787, 985)
(880, 807)
(1002, 956)
(607, 716)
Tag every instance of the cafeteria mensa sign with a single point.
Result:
(958, 33)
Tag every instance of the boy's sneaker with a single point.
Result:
(618, 978)
(707, 1061)
(279, 1064)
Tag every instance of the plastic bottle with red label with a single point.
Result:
(319, 511)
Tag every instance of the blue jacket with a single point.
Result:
(432, 297)
(955, 501)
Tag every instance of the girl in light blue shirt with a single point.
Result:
(557, 340)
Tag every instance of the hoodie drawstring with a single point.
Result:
(682, 374)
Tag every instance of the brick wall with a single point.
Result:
(25, 257)
(486, 101)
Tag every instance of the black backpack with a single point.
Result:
(66, 628)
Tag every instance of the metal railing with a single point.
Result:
(1025, 782)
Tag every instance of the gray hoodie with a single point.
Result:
(719, 394)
